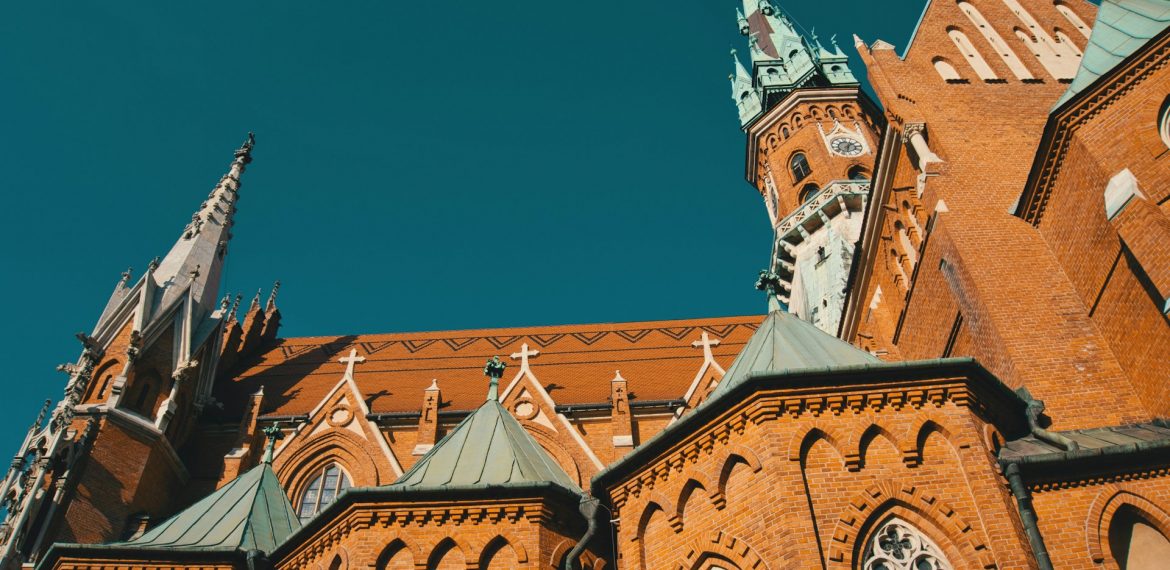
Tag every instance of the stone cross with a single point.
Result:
(706, 342)
(524, 355)
(350, 360)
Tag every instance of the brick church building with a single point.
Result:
(964, 361)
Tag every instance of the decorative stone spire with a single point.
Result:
(271, 305)
(769, 282)
(494, 369)
(783, 59)
(743, 92)
(195, 262)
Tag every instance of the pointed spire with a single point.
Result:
(255, 306)
(196, 260)
(744, 27)
(231, 316)
(272, 298)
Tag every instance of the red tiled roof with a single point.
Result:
(575, 364)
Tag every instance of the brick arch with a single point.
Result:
(334, 446)
(801, 442)
(447, 543)
(715, 544)
(499, 541)
(915, 437)
(677, 518)
(562, 454)
(736, 454)
(656, 502)
(700, 479)
(1100, 516)
(859, 443)
(95, 382)
(396, 545)
(963, 544)
(338, 560)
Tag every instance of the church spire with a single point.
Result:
(747, 98)
(783, 58)
(195, 262)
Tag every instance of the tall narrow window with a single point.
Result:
(1073, 18)
(326, 485)
(800, 168)
(946, 70)
(1059, 63)
(997, 43)
(808, 192)
(897, 545)
(972, 55)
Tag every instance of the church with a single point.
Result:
(962, 359)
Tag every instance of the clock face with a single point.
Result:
(845, 146)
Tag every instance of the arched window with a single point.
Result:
(744, 95)
(1067, 43)
(1164, 122)
(899, 546)
(832, 112)
(1135, 543)
(946, 70)
(808, 192)
(799, 166)
(784, 131)
(972, 55)
(326, 485)
(997, 43)
(858, 173)
(1072, 17)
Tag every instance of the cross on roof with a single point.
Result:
(350, 360)
(706, 342)
(524, 355)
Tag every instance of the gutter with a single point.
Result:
(1028, 516)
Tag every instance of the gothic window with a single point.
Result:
(784, 131)
(327, 484)
(972, 55)
(101, 395)
(799, 166)
(832, 112)
(858, 173)
(808, 192)
(1164, 122)
(946, 70)
(1135, 543)
(899, 546)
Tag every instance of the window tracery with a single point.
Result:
(329, 482)
(897, 545)
(799, 166)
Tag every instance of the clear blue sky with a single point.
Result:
(419, 166)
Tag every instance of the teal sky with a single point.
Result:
(418, 166)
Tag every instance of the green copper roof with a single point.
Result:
(489, 447)
(1121, 28)
(783, 343)
(251, 512)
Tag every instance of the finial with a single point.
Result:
(273, 434)
(225, 303)
(245, 150)
(769, 282)
(434, 385)
(813, 35)
(833, 42)
(126, 275)
(744, 27)
(255, 302)
(494, 369)
(272, 297)
(231, 316)
(766, 8)
(153, 264)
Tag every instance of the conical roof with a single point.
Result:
(785, 343)
(251, 512)
(489, 447)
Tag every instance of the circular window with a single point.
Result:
(1164, 122)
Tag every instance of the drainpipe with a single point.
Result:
(1027, 515)
(588, 509)
(257, 560)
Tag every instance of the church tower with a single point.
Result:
(811, 144)
(108, 457)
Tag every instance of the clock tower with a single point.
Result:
(811, 144)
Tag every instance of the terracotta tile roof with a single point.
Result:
(575, 364)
